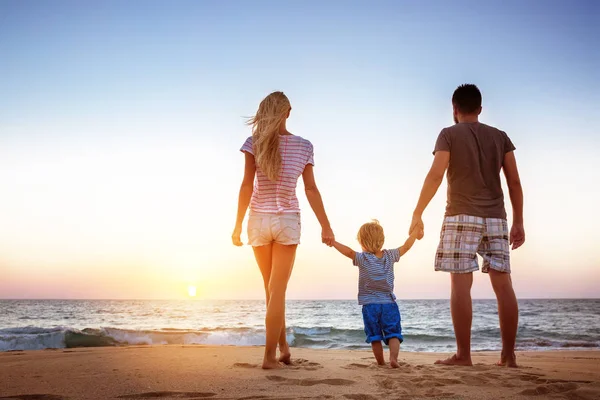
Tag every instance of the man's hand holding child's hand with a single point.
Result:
(418, 234)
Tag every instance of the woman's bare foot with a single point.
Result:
(284, 355)
(271, 364)
(394, 364)
(454, 360)
(510, 362)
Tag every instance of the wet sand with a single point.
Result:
(223, 372)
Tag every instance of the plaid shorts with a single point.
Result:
(465, 236)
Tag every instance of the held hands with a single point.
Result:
(417, 234)
(417, 228)
(327, 236)
(236, 236)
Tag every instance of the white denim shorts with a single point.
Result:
(266, 228)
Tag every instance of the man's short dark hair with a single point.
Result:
(467, 98)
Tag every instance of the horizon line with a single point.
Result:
(209, 299)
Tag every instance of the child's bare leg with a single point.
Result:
(394, 344)
(378, 352)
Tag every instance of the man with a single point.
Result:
(475, 220)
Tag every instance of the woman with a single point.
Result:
(277, 159)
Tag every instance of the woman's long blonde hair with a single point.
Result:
(272, 113)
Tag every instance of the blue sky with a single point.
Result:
(120, 124)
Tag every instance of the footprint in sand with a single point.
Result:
(360, 396)
(584, 394)
(387, 383)
(299, 363)
(310, 382)
(175, 395)
(552, 388)
(34, 397)
(245, 365)
(433, 392)
(432, 381)
(357, 366)
(474, 379)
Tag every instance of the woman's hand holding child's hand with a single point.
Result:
(327, 236)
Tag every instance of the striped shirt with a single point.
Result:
(376, 277)
(280, 196)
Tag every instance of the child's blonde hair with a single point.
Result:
(371, 237)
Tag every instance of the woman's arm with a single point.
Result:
(316, 203)
(244, 197)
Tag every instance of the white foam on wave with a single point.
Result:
(29, 338)
(35, 338)
(32, 338)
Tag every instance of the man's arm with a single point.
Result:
(430, 186)
(345, 250)
(515, 190)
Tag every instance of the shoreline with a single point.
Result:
(233, 372)
(252, 346)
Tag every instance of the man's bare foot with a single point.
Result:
(271, 364)
(510, 362)
(454, 360)
(394, 364)
(285, 356)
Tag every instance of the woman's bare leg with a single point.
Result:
(263, 255)
(282, 262)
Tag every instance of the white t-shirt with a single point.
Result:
(280, 196)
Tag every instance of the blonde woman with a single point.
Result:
(275, 159)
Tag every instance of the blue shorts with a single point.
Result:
(382, 322)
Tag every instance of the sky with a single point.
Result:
(121, 123)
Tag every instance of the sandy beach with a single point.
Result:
(197, 372)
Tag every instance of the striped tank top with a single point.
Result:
(280, 196)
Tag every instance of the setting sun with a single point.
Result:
(192, 291)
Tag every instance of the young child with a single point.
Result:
(381, 315)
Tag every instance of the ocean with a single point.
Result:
(331, 324)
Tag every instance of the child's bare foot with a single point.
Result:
(271, 364)
(394, 364)
(284, 355)
(454, 360)
(506, 361)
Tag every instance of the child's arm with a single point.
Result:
(416, 234)
(345, 250)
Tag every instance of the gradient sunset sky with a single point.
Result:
(121, 123)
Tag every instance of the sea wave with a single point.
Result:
(37, 338)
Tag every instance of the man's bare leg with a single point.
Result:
(462, 317)
(378, 352)
(508, 313)
(394, 344)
